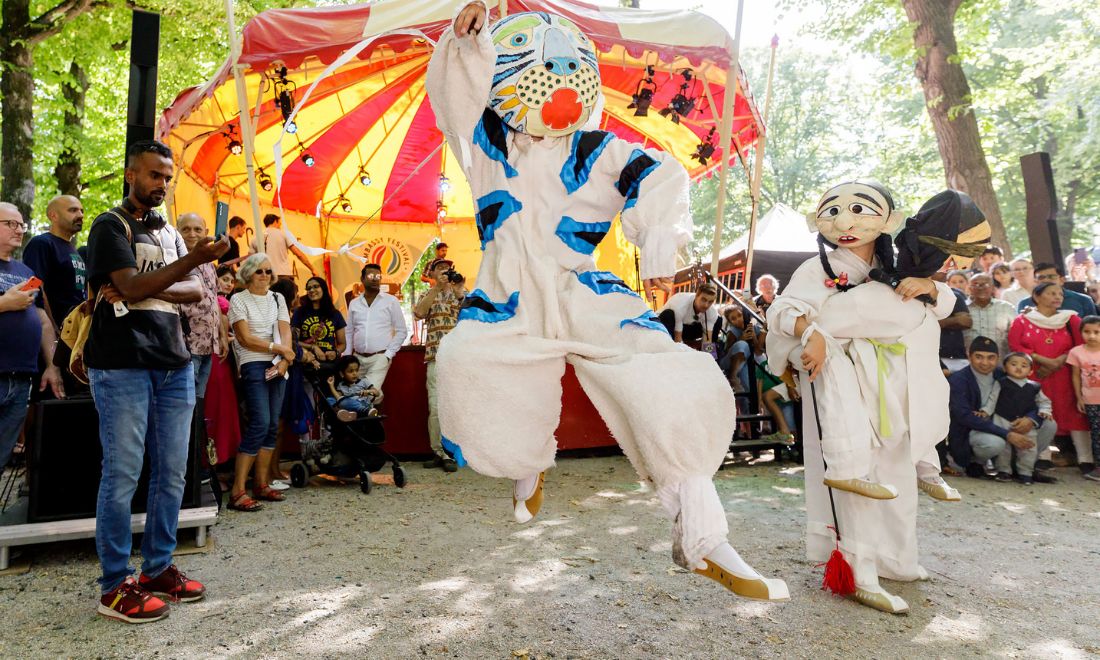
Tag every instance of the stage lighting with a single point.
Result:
(444, 184)
(440, 211)
(265, 181)
(364, 176)
(307, 158)
(235, 147)
(284, 98)
(643, 95)
(345, 204)
(705, 149)
(290, 127)
(682, 104)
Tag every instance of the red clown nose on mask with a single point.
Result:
(562, 110)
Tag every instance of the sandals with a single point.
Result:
(268, 494)
(242, 502)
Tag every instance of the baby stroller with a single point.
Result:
(343, 449)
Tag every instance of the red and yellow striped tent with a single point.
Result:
(367, 171)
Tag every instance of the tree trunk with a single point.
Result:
(948, 99)
(17, 92)
(67, 170)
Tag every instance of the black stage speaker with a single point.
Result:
(141, 107)
(64, 459)
(1042, 209)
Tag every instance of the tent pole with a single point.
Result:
(758, 171)
(247, 136)
(725, 135)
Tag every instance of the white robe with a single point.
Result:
(878, 537)
(540, 302)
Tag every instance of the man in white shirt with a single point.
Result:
(278, 247)
(989, 317)
(376, 326)
(1024, 274)
(690, 317)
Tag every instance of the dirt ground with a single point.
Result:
(440, 570)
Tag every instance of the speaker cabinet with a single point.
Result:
(1042, 209)
(65, 458)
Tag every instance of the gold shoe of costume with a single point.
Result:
(939, 490)
(863, 487)
(757, 588)
(526, 510)
(880, 599)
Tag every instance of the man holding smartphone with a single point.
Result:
(26, 330)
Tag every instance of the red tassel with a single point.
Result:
(839, 577)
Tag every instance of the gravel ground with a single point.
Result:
(439, 570)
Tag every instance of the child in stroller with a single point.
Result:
(352, 396)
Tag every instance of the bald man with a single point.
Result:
(54, 259)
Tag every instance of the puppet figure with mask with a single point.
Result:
(519, 102)
(878, 403)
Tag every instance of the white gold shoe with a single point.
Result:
(526, 510)
(879, 599)
(757, 588)
(938, 489)
(875, 491)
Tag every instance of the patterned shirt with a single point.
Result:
(991, 321)
(203, 317)
(442, 316)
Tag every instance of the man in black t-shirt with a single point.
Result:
(236, 231)
(54, 259)
(140, 372)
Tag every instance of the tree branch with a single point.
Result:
(53, 20)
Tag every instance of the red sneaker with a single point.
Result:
(173, 585)
(130, 603)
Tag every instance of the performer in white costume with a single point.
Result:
(512, 102)
(871, 354)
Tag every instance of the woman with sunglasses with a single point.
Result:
(262, 344)
(318, 325)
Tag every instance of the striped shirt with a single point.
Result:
(260, 312)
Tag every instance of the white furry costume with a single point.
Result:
(543, 206)
(878, 537)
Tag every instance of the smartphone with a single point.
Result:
(33, 284)
(221, 220)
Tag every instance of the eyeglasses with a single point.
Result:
(264, 271)
(14, 225)
(372, 277)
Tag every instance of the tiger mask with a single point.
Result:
(546, 82)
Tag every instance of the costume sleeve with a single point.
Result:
(872, 310)
(656, 215)
(802, 297)
(947, 302)
(459, 79)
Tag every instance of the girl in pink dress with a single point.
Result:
(1047, 334)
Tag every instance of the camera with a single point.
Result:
(454, 277)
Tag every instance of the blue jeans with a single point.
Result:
(356, 404)
(201, 365)
(141, 411)
(15, 392)
(725, 362)
(263, 399)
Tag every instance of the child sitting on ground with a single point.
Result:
(1014, 396)
(1085, 361)
(352, 396)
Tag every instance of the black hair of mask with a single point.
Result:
(984, 345)
(930, 236)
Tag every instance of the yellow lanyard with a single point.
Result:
(881, 351)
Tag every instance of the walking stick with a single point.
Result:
(839, 577)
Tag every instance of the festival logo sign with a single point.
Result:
(395, 257)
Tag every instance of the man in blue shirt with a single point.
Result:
(1078, 302)
(54, 259)
(26, 330)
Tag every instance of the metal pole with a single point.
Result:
(758, 171)
(725, 133)
(247, 135)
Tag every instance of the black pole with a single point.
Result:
(141, 107)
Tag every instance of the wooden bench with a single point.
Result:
(200, 518)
